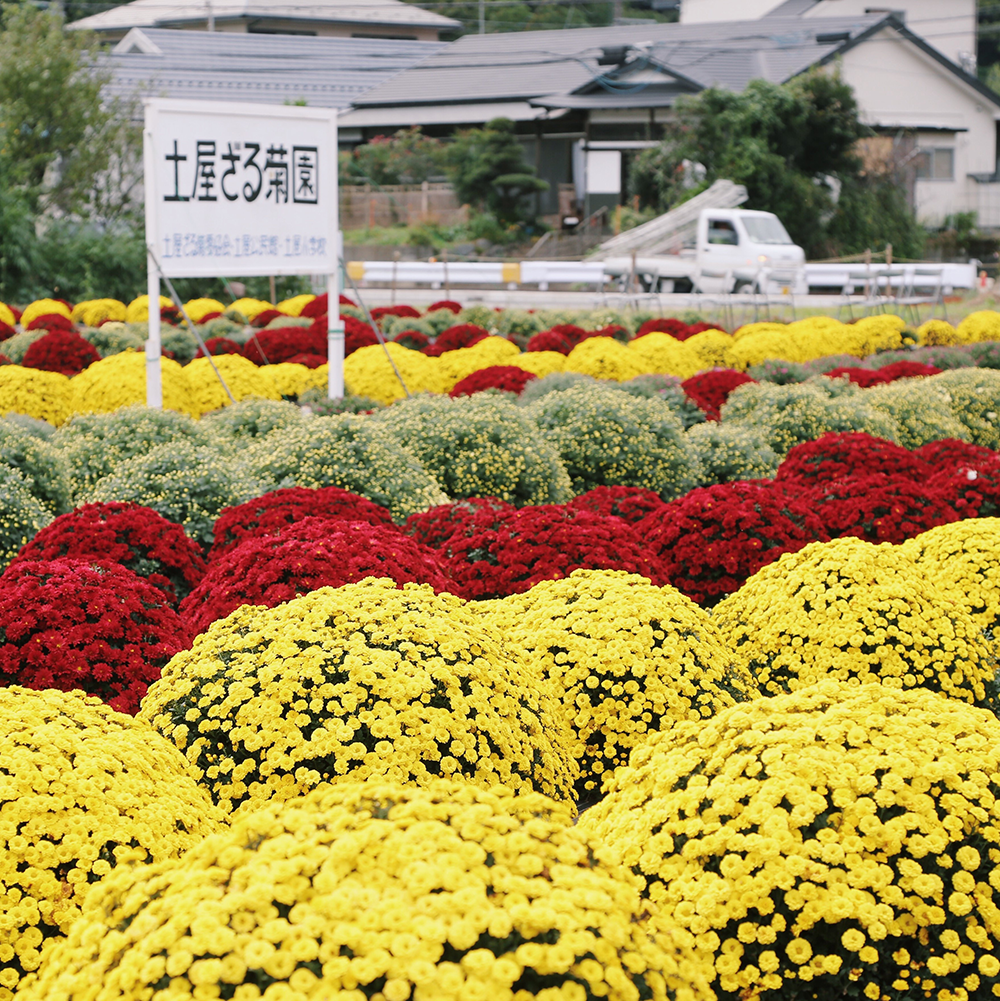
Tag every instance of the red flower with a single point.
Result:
(130, 535)
(274, 512)
(849, 453)
(462, 335)
(710, 389)
(881, 507)
(6, 330)
(281, 343)
(415, 340)
(212, 315)
(613, 330)
(863, 377)
(971, 487)
(310, 361)
(665, 325)
(947, 455)
(74, 625)
(4, 360)
(504, 553)
(263, 318)
(61, 351)
(408, 311)
(51, 321)
(632, 504)
(906, 370)
(713, 538)
(356, 335)
(455, 307)
(549, 340)
(699, 328)
(508, 378)
(437, 526)
(313, 553)
(220, 346)
(318, 307)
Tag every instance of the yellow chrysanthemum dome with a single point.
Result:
(371, 890)
(833, 842)
(624, 657)
(858, 613)
(82, 789)
(362, 681)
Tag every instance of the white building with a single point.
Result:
(915, 84)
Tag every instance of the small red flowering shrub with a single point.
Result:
(213, 314)
(449, 304)
(61, 351)
(549, 340)
(264, 317)
(272, 513)
(356, 335)
(881, 507)
(415, 340)
(313, 553)
(319, 306)
(710, 389)
(406, 311)
(619, 333)
(133, 536)
(713, 538)
(4, 360)
(665, 325)
(6, 330)
(437, 526)
(863, 377)
(462, 335)
(281, 343)
(907, 370)
(699, 328)
(971, 487)
(571, 332)
(631, 504)
(849, 453)
(508, 378)
(97, 628)
(51, 321)
(509, 552)
(946, 455)
(220, 346)
(310, 361)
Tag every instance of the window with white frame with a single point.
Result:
(935, 163)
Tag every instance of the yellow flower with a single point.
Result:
(46, 396)
(42, 307)
(137, 310)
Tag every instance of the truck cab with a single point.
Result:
(739, 249)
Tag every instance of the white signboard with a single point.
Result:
(240, 189)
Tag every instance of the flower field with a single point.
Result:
(611, 656)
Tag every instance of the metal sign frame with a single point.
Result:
(225, 114)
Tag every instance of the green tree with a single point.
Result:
(489, 171)
(794, 148)
(405, 157)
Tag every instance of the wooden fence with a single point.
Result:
(363, 206)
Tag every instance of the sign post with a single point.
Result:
(240, 189)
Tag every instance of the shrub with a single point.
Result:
(835, 456)
(604, 358)
(352, 453)
(962, 560)
(858, 821)
(479, 446)
(15, 347)
(30, 392)
(934, 332)
(712, 539)
(922, 412)
(402, 684)
(518, 325)
(461, 335)
(368, 372)
(38, 463)
(185, 483)
(505, 378)
(552, 383)
(858, 613)
(97, 628)
(983, 325)
(354, 849)
(415, 340)
(732, 452)
(947, 455)
(668, 389)
(437, 526)
(319, 404)
(479, 315)
(178, 343)
(502, 553)
(95, 445)
(779, 372)
(242, 378)
(60, 351)
(880, 507)
(252, 419)
(131, 536)
(608, 438)
(269, 347)
(975, 401)
(799, 413)
(303, 557)
(112, 338)
(665, 355)
(631, 504)
(549, 340)
(273, 512)
(669, 662)
(120, 381)
(220, 346)
(21, 515)
(971, 487)
(85, 788)
(94, 312)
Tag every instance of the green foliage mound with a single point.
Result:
(21, 515)
(480, 446)
(248, 420)
(732, 452)
(42, 467)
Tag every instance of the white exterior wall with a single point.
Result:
(948, 25)
(700, 11)
(898, 86)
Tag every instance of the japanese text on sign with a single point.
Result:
(244, 171)
(235, 246)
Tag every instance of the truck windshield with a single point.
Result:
(765, 229)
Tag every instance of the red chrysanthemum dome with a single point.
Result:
(508, 378)
(462, 335)
(220, 346)
(711, 388)
(278, 344)
(62, 351)
(849, 453)
(436, 526)
(631, 504)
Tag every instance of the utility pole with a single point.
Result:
(482, 17)
(211, 15)
(616, 11)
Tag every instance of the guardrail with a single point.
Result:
(439, 274)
